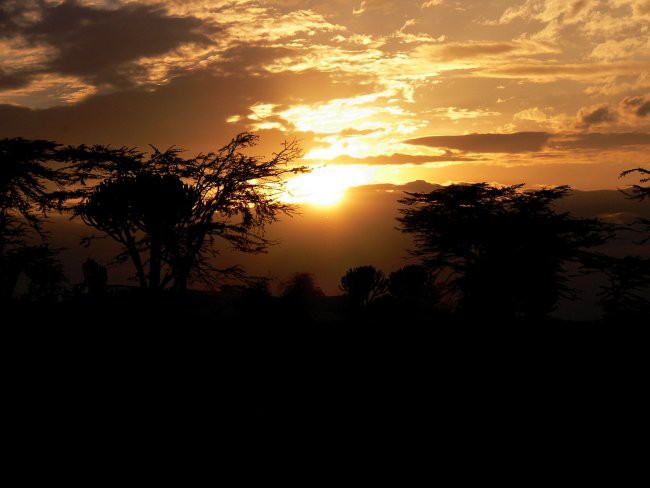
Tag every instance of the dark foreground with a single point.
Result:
(169, 375)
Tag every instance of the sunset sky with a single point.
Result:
(378, 91)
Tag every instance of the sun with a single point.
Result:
(326, 185)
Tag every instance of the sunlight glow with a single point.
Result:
(336, 115)
(326, 185)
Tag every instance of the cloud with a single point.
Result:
(455, 113)
(549, 10)
(639, 105)
(352, 132)
(644, 109)
(378, 6)
(398, 159)
(13, 80)
(545, 118)
(481, 51)
(596, 115)
(624, 114)
(546, 72)
(191, 111)
(102, 44)
(601, 140)
(488, 143)
(432, 3)
(472, 49)
(42, 90)
(612, 50)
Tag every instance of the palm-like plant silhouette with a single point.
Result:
(363, 284)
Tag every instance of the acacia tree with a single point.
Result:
(502, 250)
(640, 193)
(30, 179)
(363, 284)
(143, 213)
(170, 214)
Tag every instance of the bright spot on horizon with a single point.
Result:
(326, 185)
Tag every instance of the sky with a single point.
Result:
(542, 92)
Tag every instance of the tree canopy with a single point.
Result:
(31, 178)
(641, 193)
(502, 251)
(169, 213)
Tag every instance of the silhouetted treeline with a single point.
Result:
(481, 253)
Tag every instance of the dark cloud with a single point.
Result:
(488, 143)
(640, 105)
(419, 186)
(10, 12)
(633, 101)
(13, 80)
(250, 58)
(596, 115)
(401, 159)
(644, 109)
(102, 44)
(533, 141)
(601, 141)
(190, 111)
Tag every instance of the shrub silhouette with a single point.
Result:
(363, 284)
(504, 250)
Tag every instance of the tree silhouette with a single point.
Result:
(301, 286)
(363, 284)
(640, 193)
(626, 294)
(503, 250)
(44, 272)
(299, 294)
(28, 179)
(29, 184)
(415, 292)
(143, 213)
(169, 213)
(413, 285)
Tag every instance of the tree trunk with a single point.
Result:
(180, 281)
(155, 262)
(137, 262)
(8, 282)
